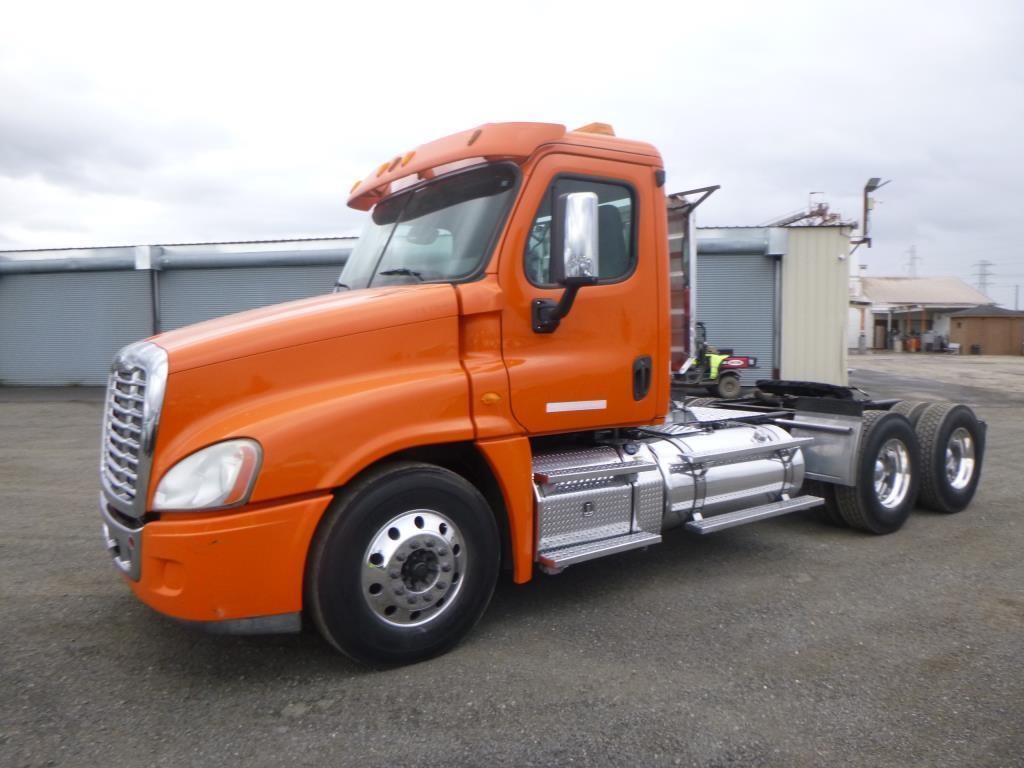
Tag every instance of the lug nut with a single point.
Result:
(446, 568)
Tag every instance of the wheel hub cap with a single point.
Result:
(412, 570)
(892, 474)
(959, 459)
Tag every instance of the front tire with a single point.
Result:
(888, 474)
(403, 564)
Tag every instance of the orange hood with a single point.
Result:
(303, 322)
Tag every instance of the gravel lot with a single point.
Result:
(786, 643)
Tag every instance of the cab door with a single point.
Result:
(598, 368)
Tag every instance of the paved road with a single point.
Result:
(787, 643)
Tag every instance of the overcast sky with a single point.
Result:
(143, 123)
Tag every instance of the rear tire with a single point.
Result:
(952, 447)
(888, 474)
(728, 386)
(912, 409)
(403, 564)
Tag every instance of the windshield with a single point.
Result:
(440, 231)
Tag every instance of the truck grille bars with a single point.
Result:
(135, 394)
(122, 434)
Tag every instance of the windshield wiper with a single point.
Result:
(404, 271)
(339, 287)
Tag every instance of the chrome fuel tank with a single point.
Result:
(702, 472)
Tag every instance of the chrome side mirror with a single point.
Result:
(574, 256)
(575, 253)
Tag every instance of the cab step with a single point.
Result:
(554, 560)
(753, 514)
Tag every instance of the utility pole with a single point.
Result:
(912, 259)
(983, 273)
(1016, 298)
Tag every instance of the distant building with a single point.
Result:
(988, 330)
(916, 310)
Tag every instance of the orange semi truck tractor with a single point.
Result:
(488, 391)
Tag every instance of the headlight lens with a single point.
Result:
(221, 475)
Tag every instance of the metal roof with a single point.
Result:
(988, 311)
(13, 253)
(251, 253)
(922, 291)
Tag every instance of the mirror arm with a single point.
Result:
(547, 314)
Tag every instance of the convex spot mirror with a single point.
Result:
(574, 251)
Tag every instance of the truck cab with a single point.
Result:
(488, 388)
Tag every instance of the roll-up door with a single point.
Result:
(192, 295)
(63, 328)
(736, 301)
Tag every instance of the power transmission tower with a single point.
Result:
(983, 273)
(912, 259)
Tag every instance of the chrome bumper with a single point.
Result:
(124, 544)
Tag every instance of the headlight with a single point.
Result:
(221, 475)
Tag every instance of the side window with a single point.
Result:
(616, 248)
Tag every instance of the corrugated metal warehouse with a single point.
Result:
(778, 293)
(65, 313)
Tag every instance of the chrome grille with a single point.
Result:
(123, 429)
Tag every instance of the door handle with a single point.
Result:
(641, 377)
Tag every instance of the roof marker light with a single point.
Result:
(407, 158)
(601, 128)
(474, 137)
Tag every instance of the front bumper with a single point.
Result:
(243, 570)
(122, 542)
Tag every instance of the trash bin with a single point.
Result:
(975, 349)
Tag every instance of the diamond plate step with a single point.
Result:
(612, 469)
(753, 514)
(557, 559)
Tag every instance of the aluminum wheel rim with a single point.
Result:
(892, 474)
(960, 459)
(412, 570)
